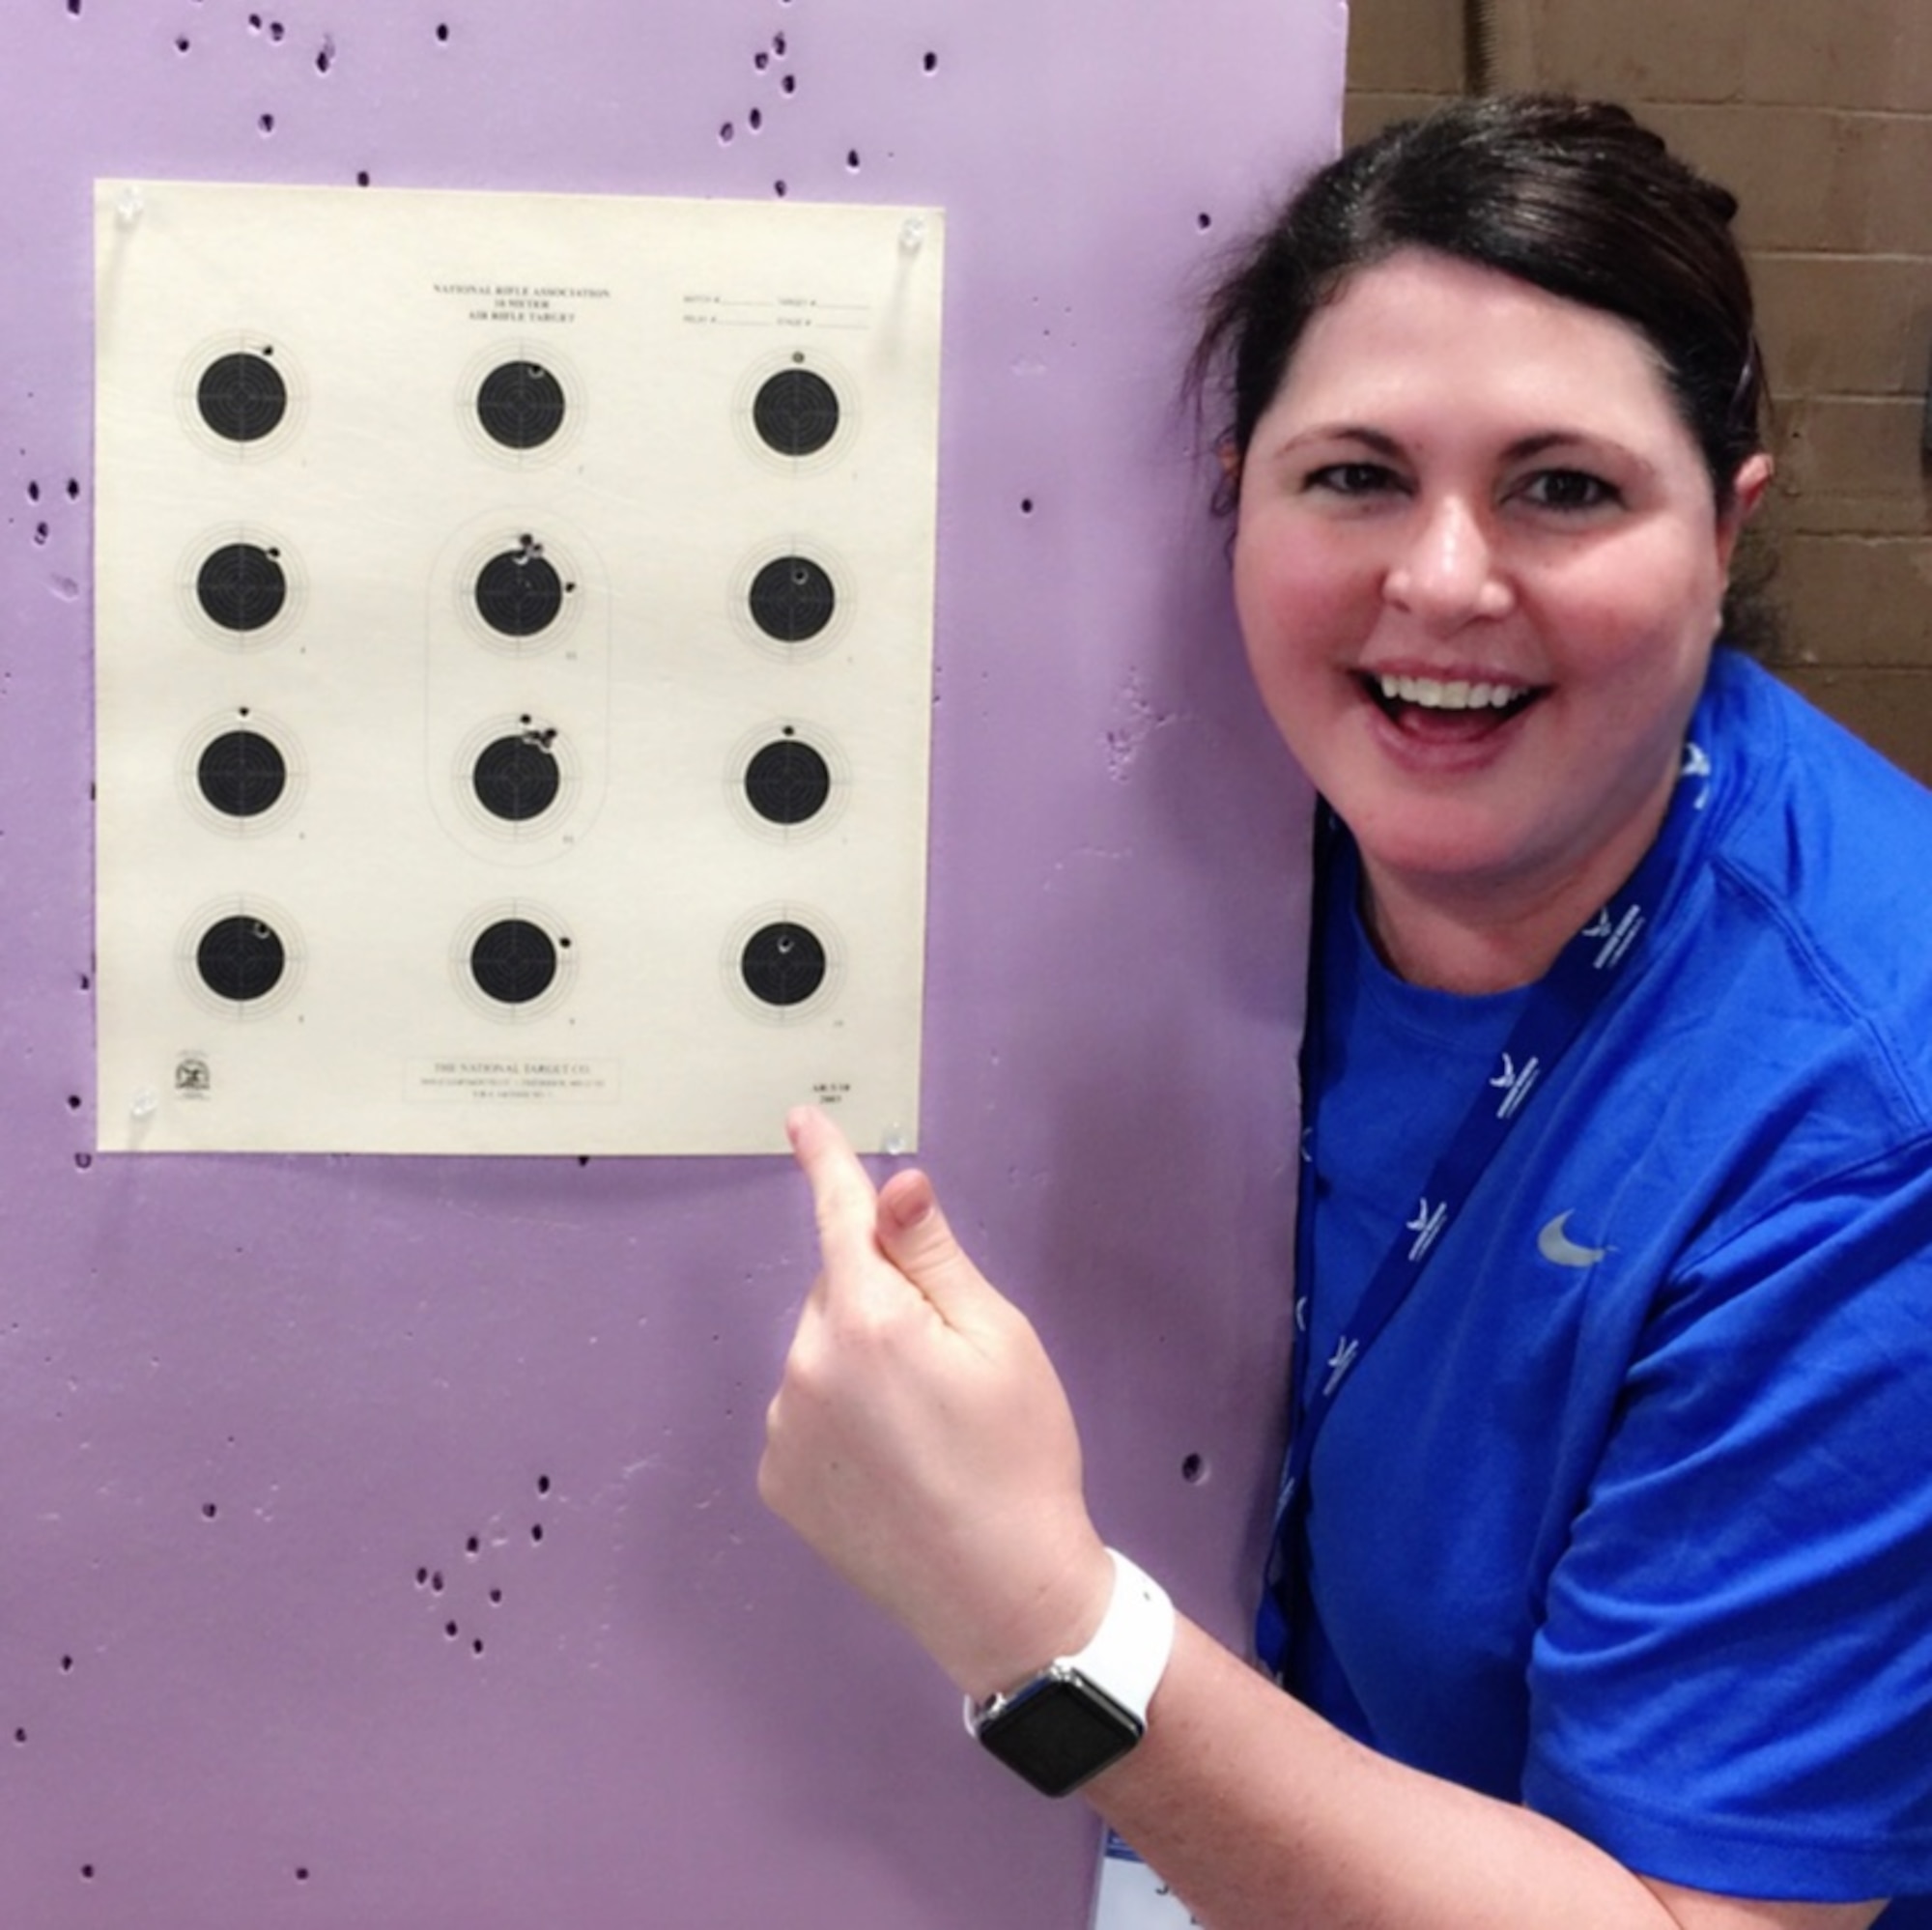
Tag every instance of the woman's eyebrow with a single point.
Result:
(1377, 439)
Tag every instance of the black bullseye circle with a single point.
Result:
(513, 961)
(788, 781)
(517, 777)
(793, 599)
(241, 958)
(783, 964)
(519, 593)
(241, 587)
(242, 773)
(241, 397)
(796, 413)
(521, 405)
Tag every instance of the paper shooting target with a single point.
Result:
(241, 396)
(797, 413)
(788, 781)
(515, 778)
(521, 403)
(241, 957)
(515, 961)
(242, 587)
(783, 963)
(792, 599)
(519, 592)
(242, 773)
(545, 618)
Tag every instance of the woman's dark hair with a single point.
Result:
(1573, 196)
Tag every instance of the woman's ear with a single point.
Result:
(1754, 479)
(1228, 497)
(1747, 488)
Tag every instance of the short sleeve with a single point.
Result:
(1731, 1687)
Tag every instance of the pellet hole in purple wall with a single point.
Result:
(726, 134)
(266, 123)
(1194, 1469)
(852, 159)
(755, 120)
(442, 32)
(930, 62)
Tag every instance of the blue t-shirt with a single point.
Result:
(1628, 1512)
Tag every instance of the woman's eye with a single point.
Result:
(1568, 489)
(1353, 478)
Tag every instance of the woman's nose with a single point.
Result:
(1447, 571)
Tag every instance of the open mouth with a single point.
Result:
(1470, 706)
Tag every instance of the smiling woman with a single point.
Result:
(1465, 484)
(1600, 1579)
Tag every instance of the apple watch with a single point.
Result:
(1083, 1712)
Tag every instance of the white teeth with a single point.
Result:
(1434, 695)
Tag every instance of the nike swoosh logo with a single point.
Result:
(1556, 1246)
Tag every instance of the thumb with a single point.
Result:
(913, 1235)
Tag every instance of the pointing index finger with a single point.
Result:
(842, 1195)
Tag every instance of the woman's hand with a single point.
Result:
(920, 1441)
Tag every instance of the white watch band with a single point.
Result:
(1128, 1651)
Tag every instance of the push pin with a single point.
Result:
(128, 208)
(144, 1104)
(912, 233)
(895, 1141)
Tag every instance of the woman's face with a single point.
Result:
(1478, 568)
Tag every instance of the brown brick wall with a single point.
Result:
(1820, 117)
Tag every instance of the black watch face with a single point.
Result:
(1059, 1731)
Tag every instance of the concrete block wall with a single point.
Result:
(1821, 119)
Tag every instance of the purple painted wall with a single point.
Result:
(378, 1542)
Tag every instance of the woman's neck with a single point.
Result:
(1476, 935)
